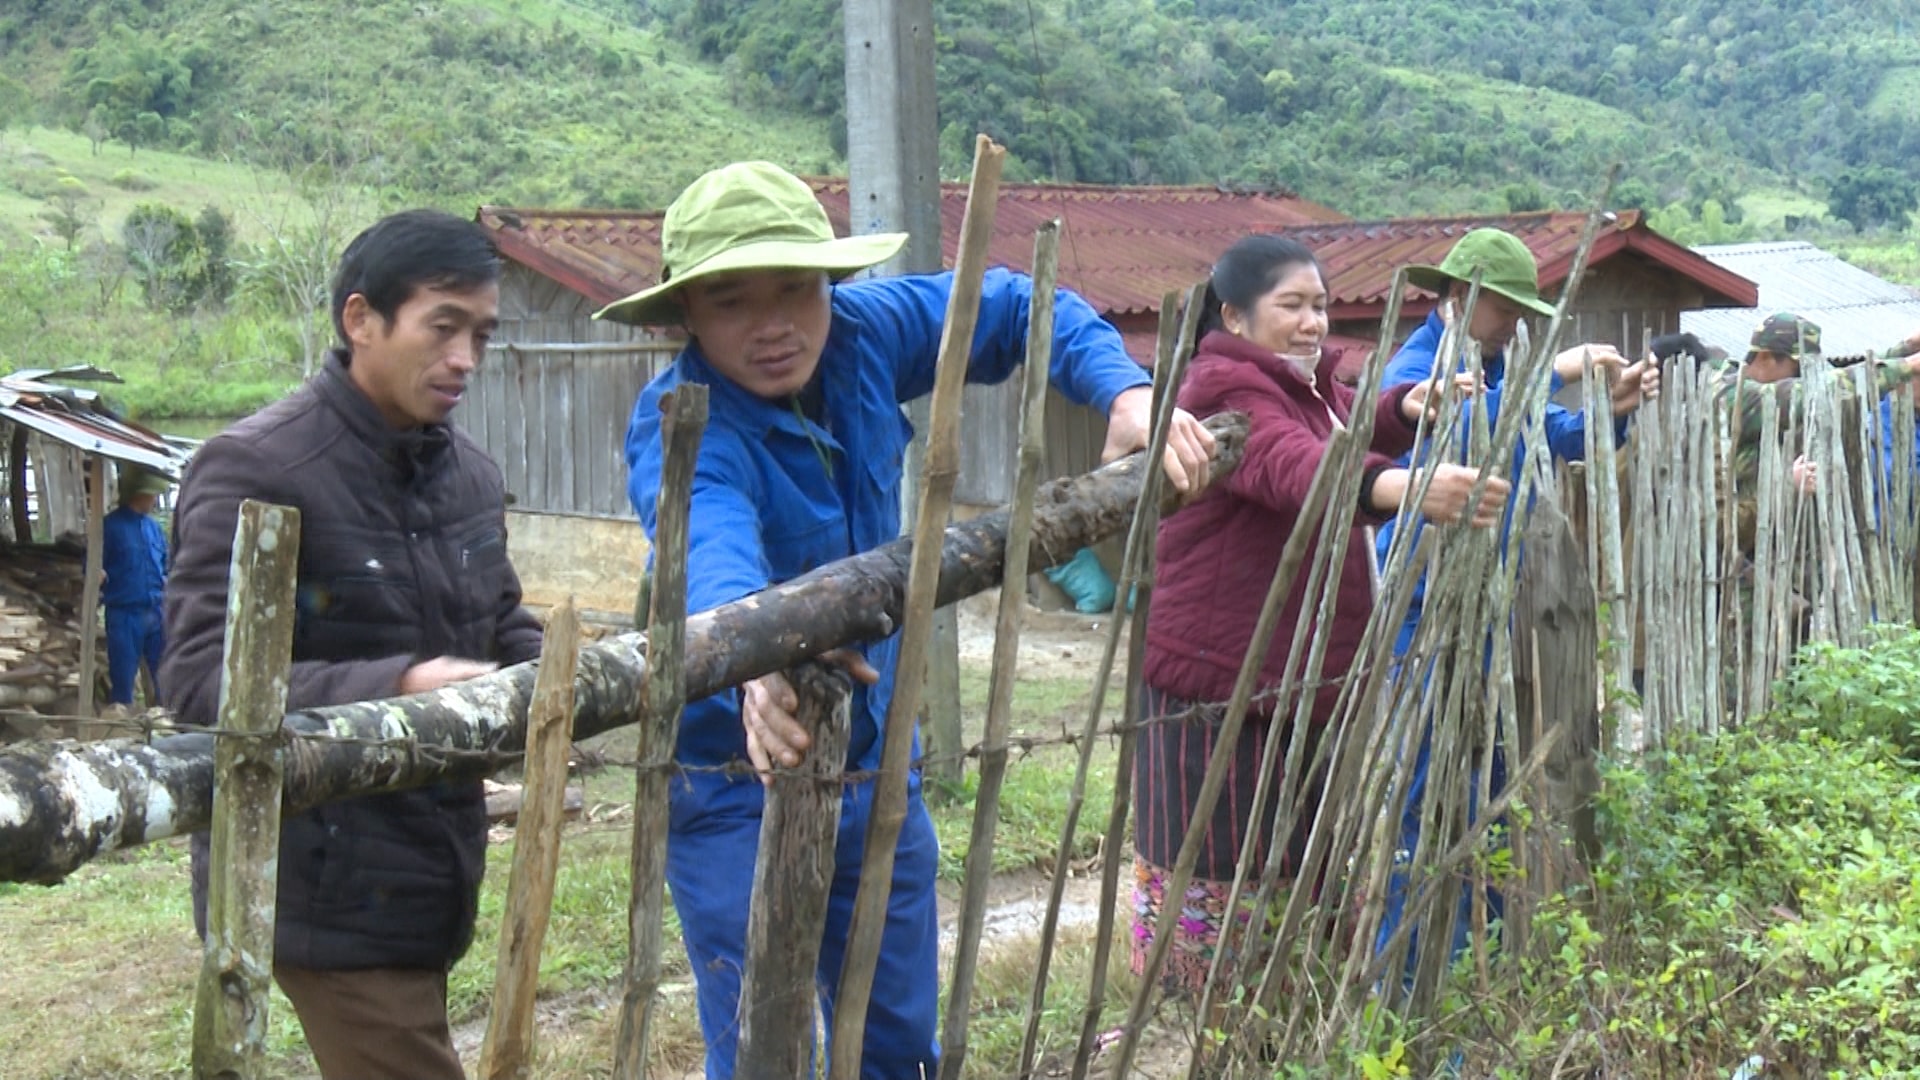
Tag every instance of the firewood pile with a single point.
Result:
(40, 596)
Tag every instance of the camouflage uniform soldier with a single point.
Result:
(1770, 379)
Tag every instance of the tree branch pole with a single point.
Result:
(1141, 533)
(1175, 349)
(1006, 653)
(507, 1051)
(90, 592)
(62, 805)
(683, 421)
(236, 972)
(889, 808)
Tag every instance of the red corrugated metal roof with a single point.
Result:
(1361, 256)
(1122, 247)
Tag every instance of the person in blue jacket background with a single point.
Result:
(800, 465)
(133, 556)
(1509, 291)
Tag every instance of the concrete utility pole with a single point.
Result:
(893, 166)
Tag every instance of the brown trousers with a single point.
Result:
(375, 1024)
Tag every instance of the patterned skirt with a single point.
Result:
(1168, 770)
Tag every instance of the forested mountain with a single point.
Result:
(1373, 105)
(1393, 105)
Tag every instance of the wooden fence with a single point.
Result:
(1529, 657)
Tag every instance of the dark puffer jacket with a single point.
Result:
(402, 558)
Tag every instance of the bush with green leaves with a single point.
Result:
(1853, 694)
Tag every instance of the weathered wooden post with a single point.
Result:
(507, 1052)
(936, 496)
(1006, 652)
(230, 1005)
(684, 419)
(792, 885)
(90, 593)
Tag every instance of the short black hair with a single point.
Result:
(1249, 270)
(410, 250)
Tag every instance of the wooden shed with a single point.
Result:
(61, 450)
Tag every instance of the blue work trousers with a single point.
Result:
(1397, 883)
(133, 634)
(710, 859)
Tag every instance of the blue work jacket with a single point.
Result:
(1566, 437)
(133, 552)
(767, 508)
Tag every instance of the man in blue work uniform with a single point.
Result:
(801, 465)
(1509, 290)
(133, 554)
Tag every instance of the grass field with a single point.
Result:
(34, 164)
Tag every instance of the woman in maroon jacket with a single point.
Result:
(1259, 354)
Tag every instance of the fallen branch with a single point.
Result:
(62, 805)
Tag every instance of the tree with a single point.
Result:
(1874, 195)
(215, 231)
(70, 214)
(294, 265)
(166, 254)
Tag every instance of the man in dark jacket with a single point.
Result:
(404, 586)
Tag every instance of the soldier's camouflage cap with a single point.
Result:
(1785, 334)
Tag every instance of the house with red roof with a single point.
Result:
(566, 384)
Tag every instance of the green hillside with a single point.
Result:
(530, 101)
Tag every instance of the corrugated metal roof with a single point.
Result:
(1361, 256)
(1857, 312)
(1122, 247)
(78, 419)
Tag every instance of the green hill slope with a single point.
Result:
(535, 101)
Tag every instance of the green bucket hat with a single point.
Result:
(750, 215)
(1786, 334)
(1505, 264)
(138, 481)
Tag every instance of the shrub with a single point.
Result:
(1869, 694)
(129, 180)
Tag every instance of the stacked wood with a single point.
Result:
(40, 591)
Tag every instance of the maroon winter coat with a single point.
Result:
(1217, 557)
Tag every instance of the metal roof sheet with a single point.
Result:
(78, 419)
(1857, 311)
(1121, 247)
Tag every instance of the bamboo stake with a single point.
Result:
(1283, 577)
(793, 885)
(936, 496)
(1145, 523)
(507, 1051)
(1179, 325)
(683, 421)
(1006, 652)
(236, 973)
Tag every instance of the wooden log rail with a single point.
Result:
(62, 805)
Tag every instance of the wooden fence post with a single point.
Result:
(507, 1052)
(889, 806)
(90, 593)
(230, 1005)
(683, 419)
(792, 884)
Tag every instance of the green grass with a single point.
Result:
(1528, 104)
(1767, 209)
(33, 163)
